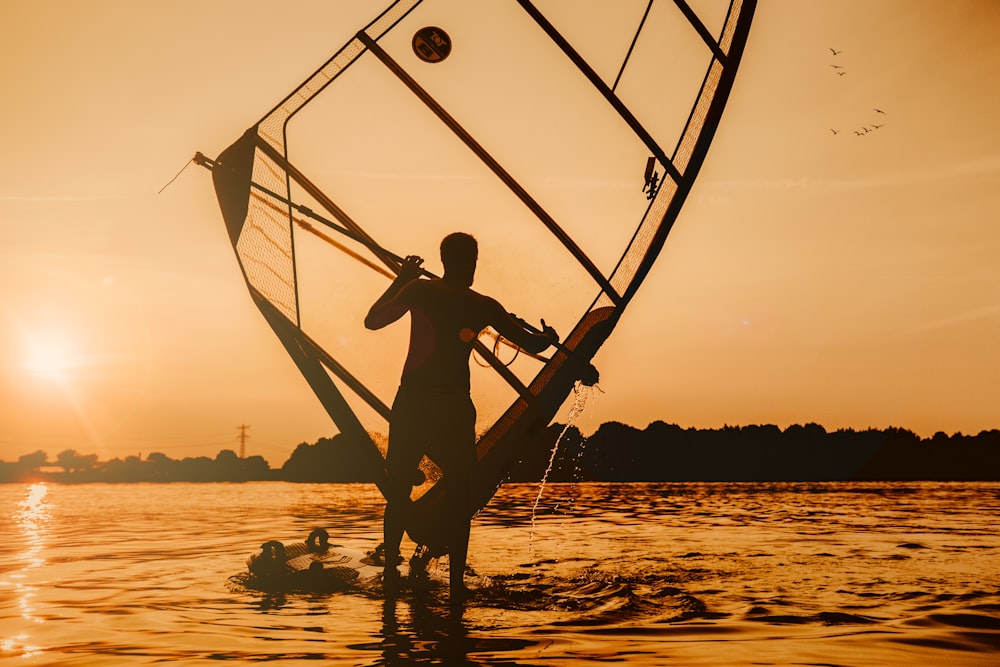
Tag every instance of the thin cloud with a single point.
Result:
(972, 315)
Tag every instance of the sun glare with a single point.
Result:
(50, 358)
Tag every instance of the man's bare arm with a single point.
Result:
(388, 308)
(515, 331)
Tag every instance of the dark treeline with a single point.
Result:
(614, 453)
(666, 452)
(225, 467)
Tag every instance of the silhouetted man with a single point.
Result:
(433, 413)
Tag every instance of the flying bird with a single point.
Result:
(878, 111)
(835, 131)
(841, 73)
(877, 126)
(834, 51)
(837, 66)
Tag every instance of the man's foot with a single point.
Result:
(382, 557)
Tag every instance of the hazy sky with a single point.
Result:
(846, 280)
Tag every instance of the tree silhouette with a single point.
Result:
(33, 461)
(70, 461)
(336, 459)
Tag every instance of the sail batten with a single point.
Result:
(700, 28)
(631, 47)
(327, 203)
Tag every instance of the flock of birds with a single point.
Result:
(840, 70)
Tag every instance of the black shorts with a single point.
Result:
(440, 425)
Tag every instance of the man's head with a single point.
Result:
(459, 252)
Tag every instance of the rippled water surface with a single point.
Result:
(657, 574)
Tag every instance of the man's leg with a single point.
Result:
(463, 450)
(392, 530)
(401, 462)
(392, 535)
(459, 527)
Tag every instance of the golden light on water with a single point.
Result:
(32, 516)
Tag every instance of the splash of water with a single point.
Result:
(581, 393)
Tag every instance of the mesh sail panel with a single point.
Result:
(265, 245)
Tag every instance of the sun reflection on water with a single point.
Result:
(31, 515)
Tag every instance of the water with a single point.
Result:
(652, 574)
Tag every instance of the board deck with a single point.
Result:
(314, 561)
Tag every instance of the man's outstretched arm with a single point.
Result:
(388, 308)
(515, 331)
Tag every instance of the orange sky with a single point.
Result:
(844, 280)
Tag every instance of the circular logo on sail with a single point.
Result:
(431, 44)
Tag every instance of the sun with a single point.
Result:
(50, 357)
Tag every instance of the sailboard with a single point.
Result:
(564, 136)
(313, 563)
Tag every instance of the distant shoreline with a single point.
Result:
(614, 453)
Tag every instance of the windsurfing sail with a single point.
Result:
(564, 136)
